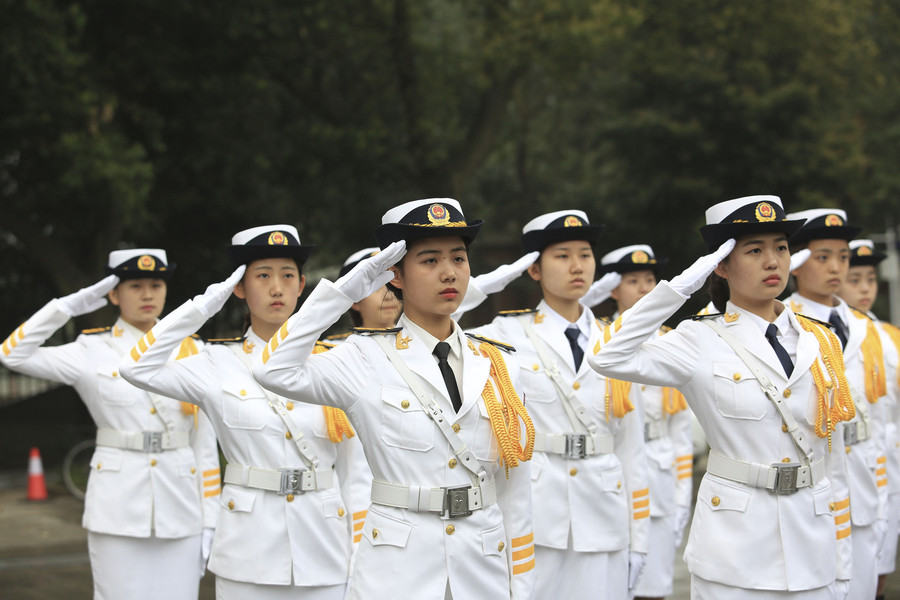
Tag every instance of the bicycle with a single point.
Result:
(76, 467)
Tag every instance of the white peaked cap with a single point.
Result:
(117, 257)
(398, 212)
(541, 222)
(242, 237)
(716, 213)
(620, 253)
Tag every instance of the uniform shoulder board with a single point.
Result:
(339, 336)
(860, 314)
(501, 345)
(603, 322)
(699, 317)
(516, 312)
(322, 346)
(816, 321)
(196, 336)
(95, 330)
(376, 330)
(231, 340)
(665, 329)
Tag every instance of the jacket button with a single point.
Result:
(535, 367)
(784, 427)
(99, 466)
(573, 471)
(618, 485)
(193, 470)
(341, 512)
(847, 449)
(289, 406)
(737, 376)
(231, 505)
(576, 386)
(243, 392)
(785, 460)
(288, 435)
(831, 506)
(115, 373)
(456, 427)
(450, 529)
(289, 498)
(152, 462)
(643, 388)
(786, 393)
(405, 404)
(452, 463)
(500, 547)
(374, 533)
(152, 410)
(715, 501)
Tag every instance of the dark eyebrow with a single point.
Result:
(751, 242)
(458, 249)
(258, 267)
(421, 252)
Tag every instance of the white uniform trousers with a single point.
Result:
(659, 569)
(865, 571)
(887, 556)
(229, 589)
(702, 589)
(144, 568)
(570, 574)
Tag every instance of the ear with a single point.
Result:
(534, 271)
(239, 290)
(113, 296)
(302, 285)
(721, 270)
(615, 293)
(397, 281)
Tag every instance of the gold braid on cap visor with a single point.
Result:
(448, 224)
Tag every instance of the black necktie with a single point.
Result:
(442, 350)
(783, 356)
(577, 353)
(840, 329)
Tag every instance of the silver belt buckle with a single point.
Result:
(153, 441)
(291, 482)
(785, 478)
(851, 433)
(456, 502)
(576, 445)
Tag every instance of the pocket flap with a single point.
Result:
(493, 541)
(109, 373)
(242, 390)
(382, 530)
(724, 497)
(106, 459)
(238, 499)
(401, 399)
(613, 481)
(822, 501)
(735, 372)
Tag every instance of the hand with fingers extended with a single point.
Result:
(372, 273)
(213, 299)
(88, 299)
(692, 278)
(601, 289)
(799, 257)
(482, 286)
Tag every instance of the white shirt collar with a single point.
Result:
(820, 311)
(782, 321)
(429, 340)
(561, 323)
(133, 331)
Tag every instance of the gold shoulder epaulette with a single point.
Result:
(603, 322)
(699, 317)
(376, 330)
(665, 329)
(816, 321)
(500, 345)
(516, 312)
(325, 345)
(230, 340)
(95, 330)
(196, 336)
(339, 336)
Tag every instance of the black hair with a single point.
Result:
(718, 290)
(356, 317)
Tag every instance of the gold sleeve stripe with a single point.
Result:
(151, 339)
(881, 460)
(265, 354)
(641, 515)
(841, 519)
(842, 504)
(685, 467)
(641, 493)
(357, 538)
(20, 333)
(210, 473)
(525, 553)
(360, 515)
(523, 568)
(6, 349)
(685, 475)
(358, 526)
(881, 471)
(211, 493)
(135, 354)
(685, 458)
(881, 482)
(142, 345)
(211, 482)
(842, 533)
(521, 541)
(642, 503)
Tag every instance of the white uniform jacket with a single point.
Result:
(601, 499)
(488, 554)
(892, 410)
(866, 460)
(743, 536)
(263, 537)
(669, 447)
(130, 492)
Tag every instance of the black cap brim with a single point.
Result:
(716, 235)
(871, 260)
(840, 232)
(244, 255)
(389, 233)
(541, 238)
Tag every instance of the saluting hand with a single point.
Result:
(88, 299)
(372, 273)
(213, 299)
(601, 289)
(798, 258)
(692, 278)
(494, 281)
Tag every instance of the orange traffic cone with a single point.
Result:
(37, 487)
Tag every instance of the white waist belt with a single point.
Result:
(450, 502)
(573, 445)
(780, 478)
(653, 430)
(281, 481)
(143, 441)
(855, 432)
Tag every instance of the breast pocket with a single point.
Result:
(737, 392)
(244, 407)
(484, 446)
(534, 383)
(404, 423)
(113, 389)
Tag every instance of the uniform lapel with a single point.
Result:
(419, 359)
(594, 335)
(555, 340)
(755, 342)
(807, 350)
(476, 369)
(857, 333)
(123, 337)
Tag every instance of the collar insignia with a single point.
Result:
(402, 342)
(248, 346)
(732, 317)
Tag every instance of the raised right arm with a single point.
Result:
(22, 352)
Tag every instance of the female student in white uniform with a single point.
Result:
(288, 503)
(771, 518)
(151, 501)
(437, 414)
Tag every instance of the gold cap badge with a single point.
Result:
(639, 257)
(765, 212)
(572, 221)
(438, 215)
(146, 263)
(277, 238)
(833, 221)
